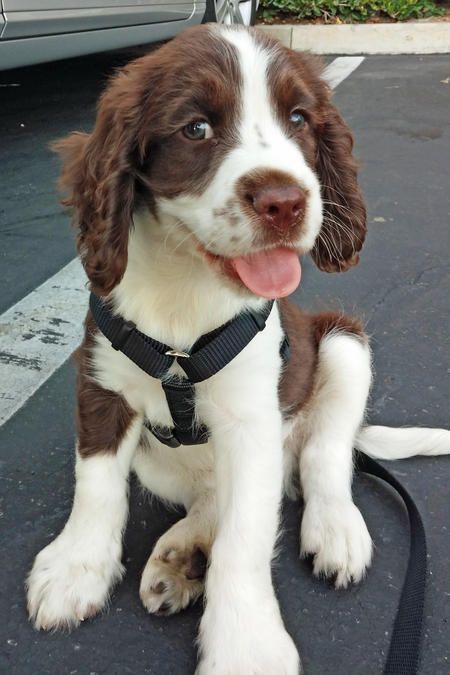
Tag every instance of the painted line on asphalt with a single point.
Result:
(40, 332)
(339, 69)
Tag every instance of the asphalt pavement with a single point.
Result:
(398, 108)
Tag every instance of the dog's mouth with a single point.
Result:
(270, 273)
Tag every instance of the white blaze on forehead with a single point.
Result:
(256, 109)
(262, 140)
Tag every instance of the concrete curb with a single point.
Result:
(413, 37)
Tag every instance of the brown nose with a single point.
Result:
(279, 207)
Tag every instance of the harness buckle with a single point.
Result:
(125, 330)
(176, 354)
(173, 437)
(165, 435)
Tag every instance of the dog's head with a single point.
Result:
(231, 137)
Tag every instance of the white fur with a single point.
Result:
(389, 443)
(245, 420)
(72, 577)
(332, 529)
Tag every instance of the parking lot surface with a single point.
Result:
(398, 108)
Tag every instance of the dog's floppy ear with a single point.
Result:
(344, 212)
(99, 177)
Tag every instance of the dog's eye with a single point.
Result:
(198, 130)
(297, 119)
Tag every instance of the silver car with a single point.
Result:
(34, 31)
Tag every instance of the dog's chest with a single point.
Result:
(256, 369)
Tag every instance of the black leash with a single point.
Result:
(404, 649)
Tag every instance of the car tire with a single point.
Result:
(231, 12)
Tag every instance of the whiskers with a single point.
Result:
(210, 244)
(177, 225)
(335, 235)
(337, 226)
(328, 244)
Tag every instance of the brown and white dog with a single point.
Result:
(215, 162)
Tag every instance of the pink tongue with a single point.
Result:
(271, 274)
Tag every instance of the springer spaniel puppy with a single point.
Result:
(214, 163)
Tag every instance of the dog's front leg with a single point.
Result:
(333, 530)
(72, 577)
(242, 632)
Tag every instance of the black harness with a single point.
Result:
(210, 353)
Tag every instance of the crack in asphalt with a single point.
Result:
(408, 284)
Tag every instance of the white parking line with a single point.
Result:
(341, 68)
(39, 333)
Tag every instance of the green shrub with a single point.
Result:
(349, 10)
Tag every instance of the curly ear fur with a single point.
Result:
(344, 214)
(99, 176)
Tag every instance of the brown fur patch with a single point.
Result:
(305, 333)
(297, 380)
(102, 416)
(329, 322)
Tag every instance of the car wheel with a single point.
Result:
(231, 12)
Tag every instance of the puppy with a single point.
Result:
(215, 162)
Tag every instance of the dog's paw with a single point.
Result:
(263, 662)
(258, 648)
(333, 531)
(67, 585)
(172, 578)
(242, 633)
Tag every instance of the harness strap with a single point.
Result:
(147, 353)
(215, 350)
(212, 351)
(180, 396)
(404, 649)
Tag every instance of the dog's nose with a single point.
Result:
(279, 207)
